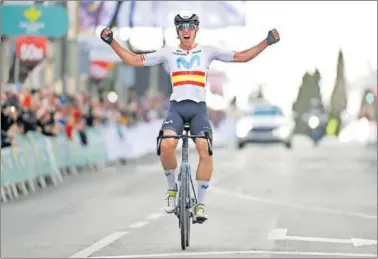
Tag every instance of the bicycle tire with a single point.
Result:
(183, 211)
(187, 242)
(187, 211)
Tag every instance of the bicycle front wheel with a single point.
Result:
(183, 210)
(187, 242)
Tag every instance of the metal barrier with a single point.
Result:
(39, 161)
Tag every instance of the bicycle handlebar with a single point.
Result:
(207, 137)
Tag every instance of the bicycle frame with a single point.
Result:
(185, 199)
(185, 168)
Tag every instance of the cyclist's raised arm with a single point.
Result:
(127, 56)
(248, 54)
(251, 53)
(133, 59)
(237, 56)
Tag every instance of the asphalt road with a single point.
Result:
(264, 201)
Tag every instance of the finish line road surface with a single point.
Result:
(264, 201)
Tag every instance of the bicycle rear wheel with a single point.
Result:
(183, 210)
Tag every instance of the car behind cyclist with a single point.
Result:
(188, 64)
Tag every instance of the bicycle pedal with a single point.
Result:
(200, 220)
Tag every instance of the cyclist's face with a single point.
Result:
(187, 32)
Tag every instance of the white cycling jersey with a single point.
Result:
(188, 69)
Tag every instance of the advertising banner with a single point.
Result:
(31, 49)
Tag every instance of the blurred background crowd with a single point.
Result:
(47, 112)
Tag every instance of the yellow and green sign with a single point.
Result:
(38, 20)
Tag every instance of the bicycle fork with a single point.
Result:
(191, 200)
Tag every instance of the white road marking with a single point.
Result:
(99, 245)
(138, 224)
(111, 238)
(155, 216)
(280, 234)
(290, 205)
(241, 252)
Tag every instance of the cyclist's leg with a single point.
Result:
(199, 124)
(171, 126)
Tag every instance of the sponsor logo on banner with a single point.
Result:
(31, 49)
(26, 19)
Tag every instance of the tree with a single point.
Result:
(260, 92)
(338, 101)
(308, 91)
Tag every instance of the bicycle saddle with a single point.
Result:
(186, 126)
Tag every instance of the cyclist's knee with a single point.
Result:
(202, 148)
(168, 145)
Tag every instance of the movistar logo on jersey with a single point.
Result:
(179, 53)
(183, 63)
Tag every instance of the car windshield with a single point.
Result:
(266, 111)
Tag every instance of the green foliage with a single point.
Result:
(338, 101)
(308, 90)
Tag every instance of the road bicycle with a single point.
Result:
(187, 198)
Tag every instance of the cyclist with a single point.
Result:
(188, 64)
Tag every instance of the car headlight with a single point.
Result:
(313, 122)
(242, 128)
(283, 131)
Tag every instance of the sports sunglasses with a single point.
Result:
(186, 26)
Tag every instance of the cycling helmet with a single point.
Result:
(186, 18)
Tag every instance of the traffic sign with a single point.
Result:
(37, 20)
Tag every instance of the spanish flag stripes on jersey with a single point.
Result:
(197, 78)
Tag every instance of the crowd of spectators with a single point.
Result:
(39, 110)
(45, 111)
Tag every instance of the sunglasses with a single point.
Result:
(186, 26)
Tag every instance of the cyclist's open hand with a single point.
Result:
(273, 37)
(107, 35)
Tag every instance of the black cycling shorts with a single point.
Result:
(190, 112)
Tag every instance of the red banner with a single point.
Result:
(31, 49)
(100, 69)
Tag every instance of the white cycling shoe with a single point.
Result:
(200, 212)
(170, 201)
